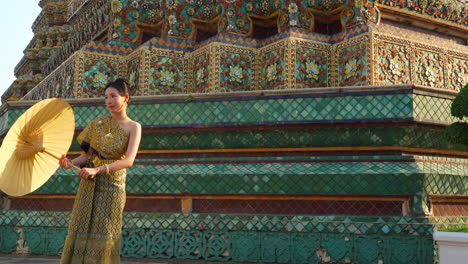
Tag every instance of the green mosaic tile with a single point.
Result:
(259, 110)
(280, 247)
(4, 126)
(8, 239)
(331, 178)
(359, 177)
(308, 109)
(8, 118)
(249, 246)
(446, 184)
(36, 239)
(432, 108)
(298, 138)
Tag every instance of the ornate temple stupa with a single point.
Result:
(273, 131)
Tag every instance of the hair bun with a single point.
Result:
(120, 81)
(121, 85)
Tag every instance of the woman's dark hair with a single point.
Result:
(120, 85)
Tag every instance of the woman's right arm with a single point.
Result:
(80, 160)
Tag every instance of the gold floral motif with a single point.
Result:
(463, 78)
(359, 4)
(116, 6)
(190, 11)
(200, 74)
(172, 19)
(431, 74)
(117, 22)
(292, 8)
(171, 4)
(132, 79)
(236, 73)
(312, 70)
(350, 68)
(167, 78)
(396, 66)
(271, 72)
(100, 80)
(153, 14)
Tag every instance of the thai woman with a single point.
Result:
(110, 144)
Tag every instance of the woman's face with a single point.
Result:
(114, 101)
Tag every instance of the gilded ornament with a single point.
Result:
(190, 11)
(154, 14)
(350, 68)
(172, 19)
(396, 66)
(100, 80)
(200, 73)
(132, 79)
(292, 8)
(240, 22)
(312, 70)
(277, 4)
(265, 5)
(431, 73)
(116, 6)
(167, 78)
(359, 4)
(423, 3)
(207, 11)
(117, 22)
(236, 73)
(463, 78)
(271, 72)
(171, 4)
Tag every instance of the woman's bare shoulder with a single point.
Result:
(134, 125)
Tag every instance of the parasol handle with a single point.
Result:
(69, 162)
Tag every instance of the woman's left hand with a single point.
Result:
(87, 173)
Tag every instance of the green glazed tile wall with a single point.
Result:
(283, 109)
(244, 237)
(423, 137)
(432, 108)
(261, 247)
(276, 110)
(370, 225)
(394, 106)
(419, 179)
(253, 179)
(4, 125)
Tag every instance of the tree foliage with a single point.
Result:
(457, 133)
(460, 103)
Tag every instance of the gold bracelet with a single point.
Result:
(107, 168)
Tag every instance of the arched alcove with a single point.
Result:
(263, 27)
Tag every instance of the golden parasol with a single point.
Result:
(30, 151)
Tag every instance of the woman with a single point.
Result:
(110, 144)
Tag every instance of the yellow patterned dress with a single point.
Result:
(96, 221)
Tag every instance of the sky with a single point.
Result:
(16, 31)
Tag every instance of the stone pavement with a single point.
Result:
(54, 260)
(38, 259)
